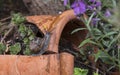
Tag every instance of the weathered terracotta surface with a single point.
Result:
(51, 64)
(29, 65)
(43, 22)
(66, 64)
(54, 25)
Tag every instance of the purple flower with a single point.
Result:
(98, 3)
(95, 20)
(107, 13)
(65, 2)
(92, 1)
(91, 7)
(95, 5)
(79, 7)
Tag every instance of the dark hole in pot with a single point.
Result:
(38, 42)
(70, 42)
(35, 29)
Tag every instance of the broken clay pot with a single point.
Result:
(51, 64)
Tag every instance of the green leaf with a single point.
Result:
(26, 40)
(96, 31)
(87, 41)
(112, 41)
(79, 71)
(111, 67)
(29, 32)
(103, 56)
(108, 34)
(22, 28)
(14, 49)
(27, 51)
(88, 22)
(31, 37)
(2, 48)
(105, 42)
(78, 29)
(17, 18)
(82, 51)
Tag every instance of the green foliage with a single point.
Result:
(2, 48)
(23, 33)
(17, 18)
(87, 41)
(27, 51)
(79, 71)
(78, 29)
(26, 33)
(14, 49)
(95, 73)
(105, 35)
(104, 56)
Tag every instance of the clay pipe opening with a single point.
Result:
(63, 19)
(63, 28)
(69, 42)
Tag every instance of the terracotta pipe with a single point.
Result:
(53, 24)
(66, 64)
(30, 65)
(63, 19)
(44, 64)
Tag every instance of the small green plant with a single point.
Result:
(2, 48)
(14, 49)
(26, 33)
(22, 35)
(79, 71)
(17, 18)
(95, 73)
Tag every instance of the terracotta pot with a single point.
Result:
(66, 64)
(56, 24)
(52, 64)
(30, 65)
